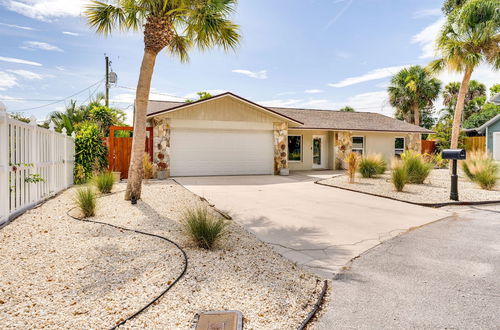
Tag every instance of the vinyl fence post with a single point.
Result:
(52, 182)
(65, 157)
(4, 166)
(33, 159)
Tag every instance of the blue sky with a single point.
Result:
(314, 53)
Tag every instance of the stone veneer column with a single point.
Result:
(343, 146)
(161, 144)
(414, 142)
(280, 146)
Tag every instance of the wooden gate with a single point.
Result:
(120, 149)
(475, 143)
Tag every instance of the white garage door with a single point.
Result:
(197, 152)
(496, 145)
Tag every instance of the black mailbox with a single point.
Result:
(454, 154)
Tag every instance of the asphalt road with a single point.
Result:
(445, 275)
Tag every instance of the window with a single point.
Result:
(399, 146)
(358, 144)
(295, 148)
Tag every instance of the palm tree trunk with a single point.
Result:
(459, 108)
(416, 115)
(136, 171)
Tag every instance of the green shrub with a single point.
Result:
(480, 168)
(86, 201)
(372, 165)
(90, 151)
(399, 175)
(204, 228)
(417, 168)
(104, 182)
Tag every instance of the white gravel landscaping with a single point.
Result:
(60, 273)
(436, 188)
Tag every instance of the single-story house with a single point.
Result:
(229, 135)
(491, 130)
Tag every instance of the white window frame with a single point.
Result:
(357, 149)
(301, 148)
(404, 145)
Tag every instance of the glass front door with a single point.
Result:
(317, 149)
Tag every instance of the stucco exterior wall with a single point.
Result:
(224, 109)
(307, 156)
(383, 143)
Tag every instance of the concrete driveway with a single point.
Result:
(442, 276)
(319, 227)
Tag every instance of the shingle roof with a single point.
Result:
(350, 121)
(321, 119)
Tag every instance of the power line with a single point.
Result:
(164, 94)
(60, 100)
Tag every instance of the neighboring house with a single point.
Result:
(229, 135)
(491, 130)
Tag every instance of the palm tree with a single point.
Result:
(470, 36)
(412, 90)
(450, 95)
(174, 25)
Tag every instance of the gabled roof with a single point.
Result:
(172, 106)
(482, 128)
(310, 118)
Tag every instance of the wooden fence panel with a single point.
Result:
(475, 143)
(27, 150)
(428, 146)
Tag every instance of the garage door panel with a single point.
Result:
(220, 152)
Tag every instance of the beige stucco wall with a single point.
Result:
(223, 109)
(307, 158)
(382, 143)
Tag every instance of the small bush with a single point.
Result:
(399, 175)
(439, 162)
(204, 228)
(481, 169)
(104, 182)
(86, 201)
(372, 165)
(148, 167)
(352, 160)
(418, 169)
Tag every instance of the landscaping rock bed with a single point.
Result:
(435, 190)
(60, 273)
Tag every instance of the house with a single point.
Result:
(230, 135)
(491, 130)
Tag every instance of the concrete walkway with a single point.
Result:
(441, 276)
(316, 226)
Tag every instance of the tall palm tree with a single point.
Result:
(174, 25)
(412, 90)
(470, 36)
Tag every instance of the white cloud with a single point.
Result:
(19, 27)
(33, 45)
(252, 74)
(427, 12)
(285, 93)
(7, 80)
(9, 98)
(371, 75)
(74, 34)
(19, 61)
(427, 38)
(483, 73)
(60, 68)
(30, 75)
(313, 91)
(371, 102)
(45, 10)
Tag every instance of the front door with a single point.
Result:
(318, 151)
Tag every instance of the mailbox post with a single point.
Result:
(454, 155)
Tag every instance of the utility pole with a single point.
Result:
(107, 81)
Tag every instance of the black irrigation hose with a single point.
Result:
(316, 307)
(142, 233)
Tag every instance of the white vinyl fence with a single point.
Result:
(35, 163)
